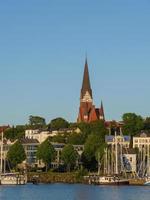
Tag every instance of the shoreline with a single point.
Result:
(55, 177)
(69, 178)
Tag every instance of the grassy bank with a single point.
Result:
(53, 177)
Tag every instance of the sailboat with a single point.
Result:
(109, 179)
(14, 178)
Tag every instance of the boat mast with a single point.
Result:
(116, 153)
(121, 154)
(148, 161)
(1, 161)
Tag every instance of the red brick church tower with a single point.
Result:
(87, 111)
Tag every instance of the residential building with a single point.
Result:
(30, 147)
(141, 140)
(41, 136)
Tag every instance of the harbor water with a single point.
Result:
(74, 192)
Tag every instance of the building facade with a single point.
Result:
(141, 140)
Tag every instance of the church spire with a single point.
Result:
(86, 86)
(102, 114)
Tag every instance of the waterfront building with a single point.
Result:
(87, 110)
(58, 148)
(130, 160)
(41, 136)
(30, 146)
(141, 140)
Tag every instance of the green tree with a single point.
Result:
(69, 156)
(59, 138)
(85, 128)
(92, 144)
(58, 123)
(96, 127)
(132, 123)
(99, 128)
(76, 138)
(36, 121)
(16, 154)
(15, 132)
(46, 153)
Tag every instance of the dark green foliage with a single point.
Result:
(96, 127)
(36, 122)
(99, 128)
(93, 142)
(59, 139)
(58, 123)
(90, 165)
(85, 128)
(132, 124)
(46, 153)
(15, 133)
(95, 139)
(69, 156)
(76, 138)
(16, 154)
(100, 151)
(147, 124)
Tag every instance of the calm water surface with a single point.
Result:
(74, 192)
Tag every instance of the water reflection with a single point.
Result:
(73, 192)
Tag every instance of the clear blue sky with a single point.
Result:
(42, 52)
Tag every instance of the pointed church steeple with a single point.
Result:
(87, 110)
(86, 86)
(102, 114)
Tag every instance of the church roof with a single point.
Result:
(86, 86)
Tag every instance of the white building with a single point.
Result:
(141, 140)
(41, 136)
(130, 160)
(29, 133)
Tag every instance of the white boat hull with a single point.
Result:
(112, 181)
(147, 182)
(13, 179)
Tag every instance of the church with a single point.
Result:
(87, 110)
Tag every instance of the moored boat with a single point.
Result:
(112, 180)
(147, 181)
(13, 179)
